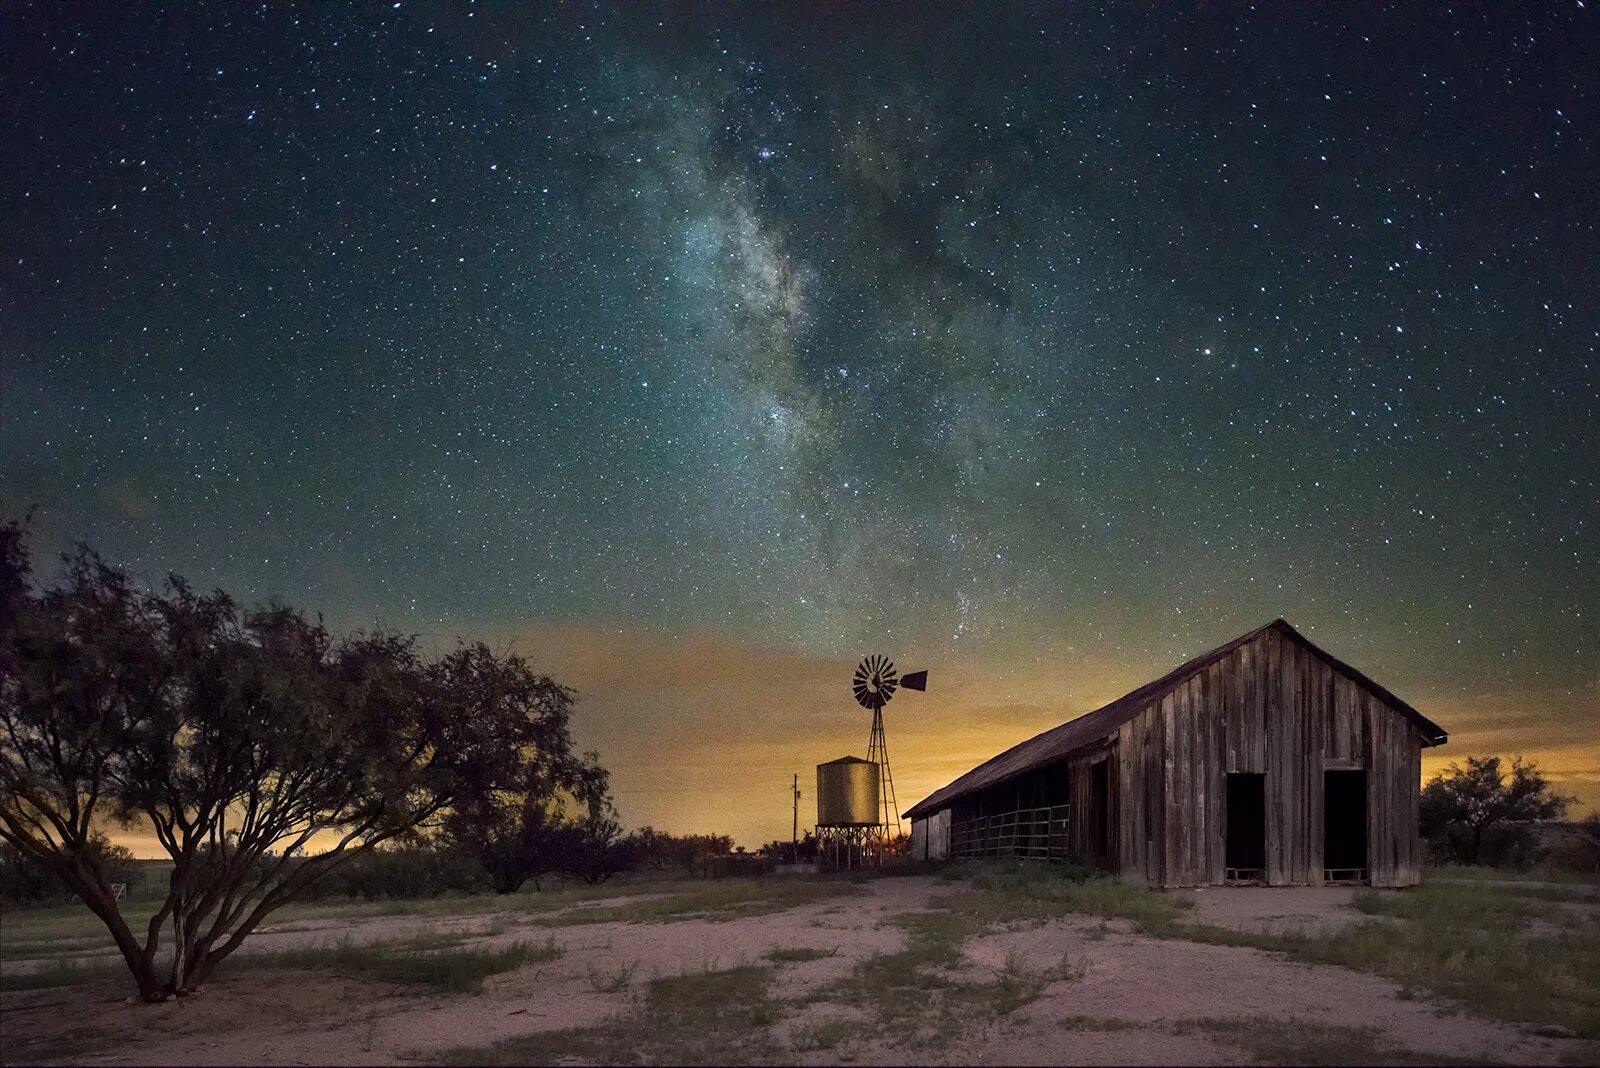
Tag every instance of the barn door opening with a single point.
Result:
(1100, 794)
(1246, 852)
(1344, 826)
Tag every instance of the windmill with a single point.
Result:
(874, 683)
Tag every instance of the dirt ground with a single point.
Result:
(1132, 990)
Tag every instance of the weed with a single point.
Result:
(820, 1035)
(1016, 986)
(612, 982)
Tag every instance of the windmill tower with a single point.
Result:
(874, 683)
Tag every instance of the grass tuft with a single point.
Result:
(795, 954)
(614, 981)
(1096, 1023)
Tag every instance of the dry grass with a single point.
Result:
(68, 973)
(1477, 873)
(430, 961)
(1272, 1040)
(24, 931)
(821, 1035)
(1032, 893)
(439, 961)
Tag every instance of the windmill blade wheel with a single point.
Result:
(874, 682)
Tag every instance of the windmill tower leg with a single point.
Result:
(878, 753)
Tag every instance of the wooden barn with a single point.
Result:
(1265, 760)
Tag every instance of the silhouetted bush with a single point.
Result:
(25, 882)
(659, 851)
(401, 873)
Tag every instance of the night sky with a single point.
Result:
(696, 353)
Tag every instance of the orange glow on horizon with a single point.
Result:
(702, 733)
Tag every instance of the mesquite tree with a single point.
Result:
(523, 833)
(262, 751)
(1461, 806)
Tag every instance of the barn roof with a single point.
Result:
(1092, 727)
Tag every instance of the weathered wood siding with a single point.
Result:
(939, 835)
(930, 836)
(1275, 708)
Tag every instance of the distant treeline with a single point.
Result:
(396, 872)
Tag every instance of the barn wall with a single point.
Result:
(939, 835)
(1271, 707)
(930, 836)
(1394, 849)
(1141, 793)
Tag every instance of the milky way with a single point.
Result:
(1027, 330)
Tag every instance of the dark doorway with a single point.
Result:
(1100, 792)
(1246, 854)
(1344, 826)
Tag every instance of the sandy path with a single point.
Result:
(1123, 978)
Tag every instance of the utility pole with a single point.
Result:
(794, 855)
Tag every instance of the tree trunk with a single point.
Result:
(100, 902)
(1477, 844)
(180, 951)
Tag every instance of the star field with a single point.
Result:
(1033, 332)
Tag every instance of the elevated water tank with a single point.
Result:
(847, 793)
